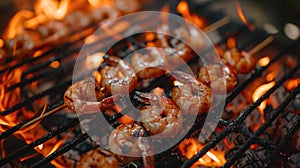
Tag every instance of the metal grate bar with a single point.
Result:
(17, 154)
(234, 125)
(290, 134)
(62, 150)
(263, 127)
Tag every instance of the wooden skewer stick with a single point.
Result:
(216, 25)
(45, 115)
(261, 45)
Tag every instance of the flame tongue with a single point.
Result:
(213, 158)
(184, 10)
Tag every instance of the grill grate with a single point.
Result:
(234, 126)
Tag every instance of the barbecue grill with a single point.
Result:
(45, 72)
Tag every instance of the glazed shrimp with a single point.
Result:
(148, 65)
(178, 52)
(98, 158)
(192, 96)
(242, 61)
(119, 77)
(221, 78)
(124, 139)
(160, 115)
(80, 97)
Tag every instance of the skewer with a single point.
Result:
(216, 25)
(261, 45)
(44, 115)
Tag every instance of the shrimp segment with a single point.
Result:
(80, 97)
(193, 96)
(124, 139)
(98, 158)
(221, 78)
(242, 61)
(119, 77)
(160, 115)
(148, 65)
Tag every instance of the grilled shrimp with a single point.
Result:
(178, 51)
(98, 158)
(80, 97)
(128, 6)
(160, 115)
(148, 65)
(105, 12)
(119, 77)
(53, 30)
(125, 139)
(242, 61)
(193, 96)
(221, 78)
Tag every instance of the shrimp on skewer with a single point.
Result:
(118, 77)
(221, 78)
(242, 61)
(87, 96)
(192, 96)
(148, 65)
(160, 115)
(98, 158)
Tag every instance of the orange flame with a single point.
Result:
(213, 158)
(183, 9)
(16, 24)
(56, 9)
(97, 3)
(292, 84)
(231, 43)
(261, 90)
(242, 16)
(264, 61)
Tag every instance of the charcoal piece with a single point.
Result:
(248, 160)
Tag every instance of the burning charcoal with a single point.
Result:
(294, 161)
(68, 159)
(281, 126)
(249, 159)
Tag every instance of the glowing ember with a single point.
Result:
(231, 43)
(242, 16)
(292, 84)
(54, 64)
(97, 3)
(213, 158)
(264, 61)
(183, 9)
(261, 90)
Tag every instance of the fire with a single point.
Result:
(56, 9)
(183, 9)
(213, 158)
(15, 25)
(264, 61)
(231, 43)
(97, 3)
(292, 84)
(242, 16)
(54, 64)
(261, 90)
